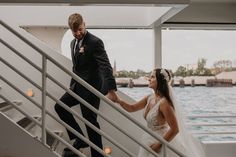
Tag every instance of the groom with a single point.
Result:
(91, 63)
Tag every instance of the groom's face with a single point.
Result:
(79, 33)
(153, 80)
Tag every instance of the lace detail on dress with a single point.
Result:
(152, 117)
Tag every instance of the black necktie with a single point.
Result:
(77, 47)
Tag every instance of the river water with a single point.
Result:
(202, 101)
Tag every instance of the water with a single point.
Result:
(202, 101)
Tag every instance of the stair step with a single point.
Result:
(4, 106)
(26, 123)
(52, 142)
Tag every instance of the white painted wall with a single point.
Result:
(52, 36)
(15, 142)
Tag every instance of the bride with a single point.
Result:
(163, 117)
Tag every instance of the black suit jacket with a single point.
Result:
(92, 65)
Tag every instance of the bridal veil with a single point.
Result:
(192, 146)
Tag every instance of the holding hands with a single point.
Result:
(156, 147)
(112, 96)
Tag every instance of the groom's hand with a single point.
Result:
(156, 147)
(112, 95)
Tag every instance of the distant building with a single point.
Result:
(198, 80)
(227, 75)
(234, 63)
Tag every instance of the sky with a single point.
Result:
(134, 49)
(181, 47)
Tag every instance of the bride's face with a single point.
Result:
(153, 80)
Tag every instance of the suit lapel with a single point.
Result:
(74, 56)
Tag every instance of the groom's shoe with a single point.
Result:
(68, 153)
(77, 144)
(80, 144)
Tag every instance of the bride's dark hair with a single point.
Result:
(163, 77)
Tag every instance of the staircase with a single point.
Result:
(43, 70)
(4, 107)
(10, 114)
(20, 143)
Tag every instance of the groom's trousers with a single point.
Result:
(89, 115)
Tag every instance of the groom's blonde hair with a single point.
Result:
(74, 21)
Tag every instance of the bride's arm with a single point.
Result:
(169, 115)
(133, 107)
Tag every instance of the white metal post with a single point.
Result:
(157, 47)
(44, 66)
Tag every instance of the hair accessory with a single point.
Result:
(165, 74)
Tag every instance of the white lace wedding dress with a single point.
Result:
(152, 123)
(183, 141)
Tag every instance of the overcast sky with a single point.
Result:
(185, 47)
(133, 49)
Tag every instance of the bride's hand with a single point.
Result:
(156, 147)
(112, 96)
(118, 100)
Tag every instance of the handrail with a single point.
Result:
(90, 88)
(104, 98)
(71, 111)
(20, 55)
(211, 116)
(97, 112)
(211, 124)
(65, 107)
(98, 94)
(76, 114)
(216, 133)
(54, 117)
(38, 123)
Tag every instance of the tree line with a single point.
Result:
(183, 71)
(201, 70)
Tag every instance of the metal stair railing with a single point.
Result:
(59, 102)
(39, 124)
(212, 124)
(144, 128)
(46, 57)
(65, 107)
(68, 109)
